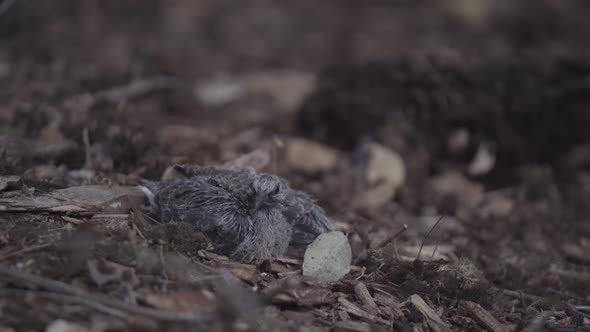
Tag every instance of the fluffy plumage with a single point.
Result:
(299, 208)
(236, 229)
(249, 216)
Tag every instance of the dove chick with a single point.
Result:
(249, 216)
(241, 227)
(300, 209)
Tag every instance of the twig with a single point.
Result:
(69, 299)
(583, 314)
(97, 301)
(524, 307)
(363, 255)
(294, 272)
(353, 309)
(432, 318)
(518, 295)
(363, 269)
(24, 251)
(139, 88)
(536, 324)
(288, 260)
(483, 317)
(428, 234)
(392, 237)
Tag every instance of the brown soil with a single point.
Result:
(104, 92)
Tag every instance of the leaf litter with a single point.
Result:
(472, 136)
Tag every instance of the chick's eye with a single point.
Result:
(276, 190)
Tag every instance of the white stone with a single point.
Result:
(328, 257)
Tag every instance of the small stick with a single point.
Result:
(24, 251)
(483, 317)
(518, 294)
(363, 255)
(70, 299)
(428, 234)
(392, 237)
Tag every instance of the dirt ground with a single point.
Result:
(391, 113)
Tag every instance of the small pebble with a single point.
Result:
(328, 257)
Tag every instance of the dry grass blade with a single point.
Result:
(428, 234)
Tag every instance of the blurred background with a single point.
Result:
(390, 112)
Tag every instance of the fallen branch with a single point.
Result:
(68, 299)
(97, 302)
(24, 251)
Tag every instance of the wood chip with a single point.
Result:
(353, 326)
(72, 220)
(281, 265)
(353, 309)
(432, 318)
(484, 318)
(363, 294)
(344, 316)
(391, 302)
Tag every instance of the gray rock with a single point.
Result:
(328, 257)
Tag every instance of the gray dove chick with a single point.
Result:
(228, 210)
(299, 208)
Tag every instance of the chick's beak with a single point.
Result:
(259, 201)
